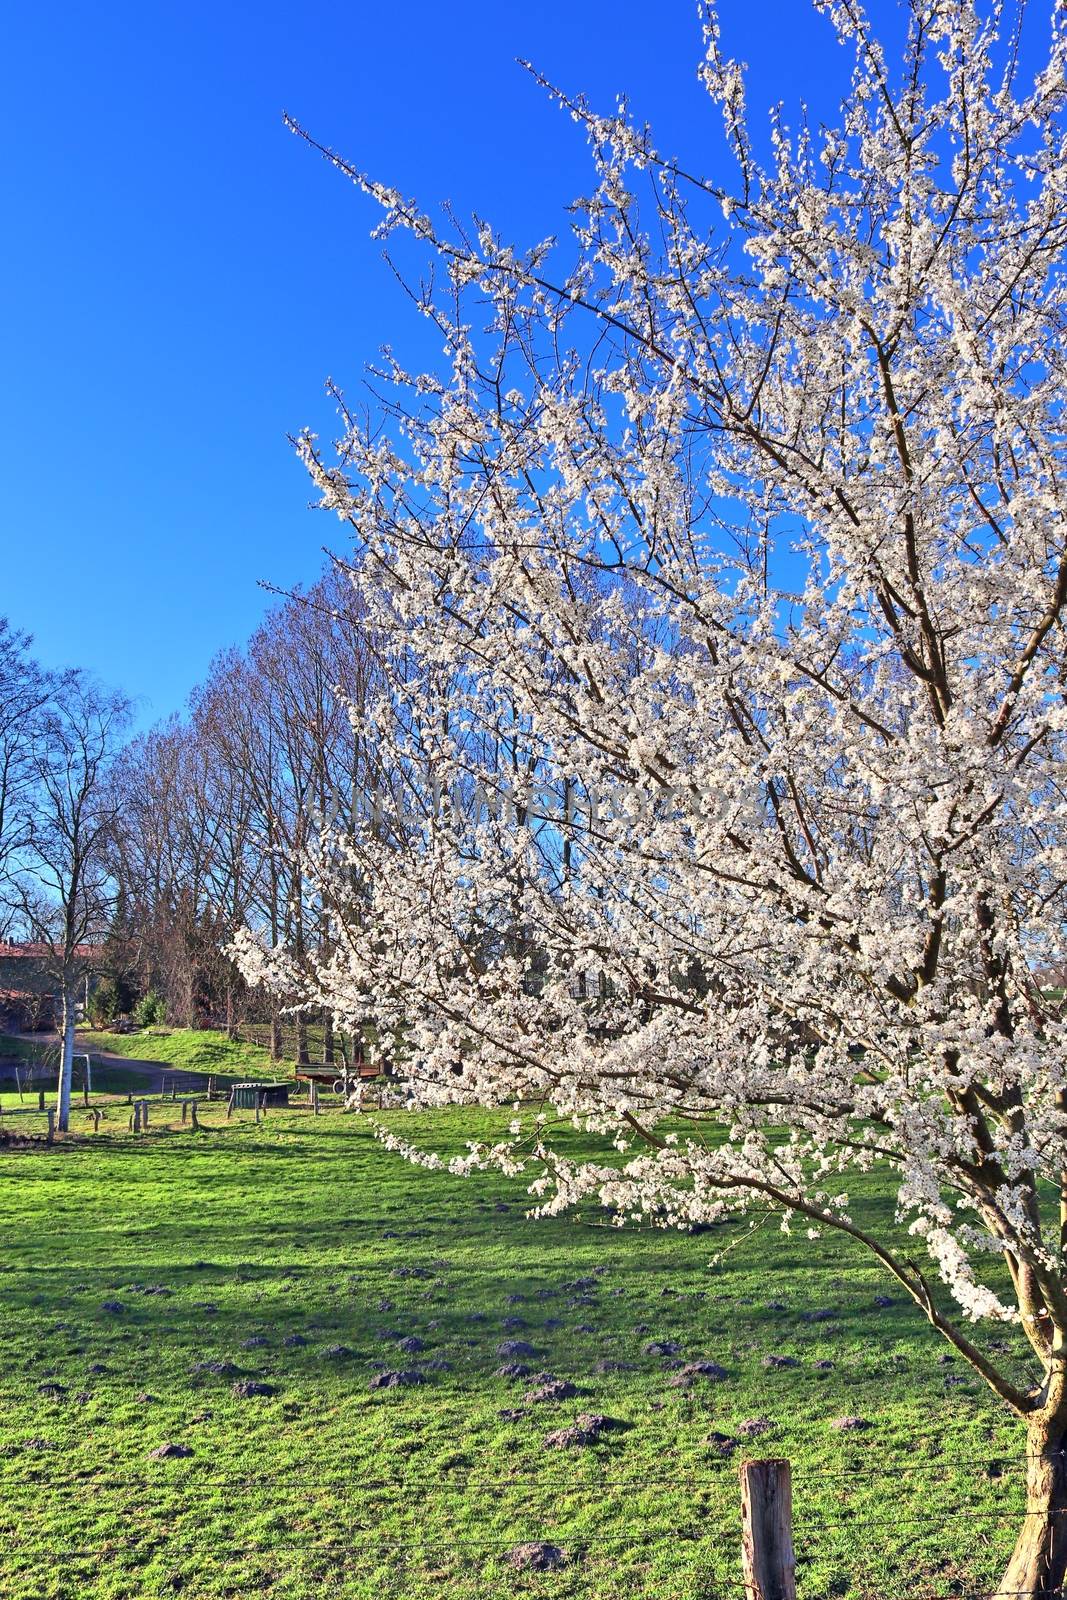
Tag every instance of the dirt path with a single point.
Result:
(152, 1072)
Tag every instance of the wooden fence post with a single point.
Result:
(185, 1110)
(144, 1115)
(229, 1105)
(40, 1099)
(192, 1110)
(135, 1117)
(51, 1125)
(211, 1088)
(96, 1120)
(767, 1531)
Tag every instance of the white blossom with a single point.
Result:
(723, 588)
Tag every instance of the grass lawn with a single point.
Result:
(300, 1253)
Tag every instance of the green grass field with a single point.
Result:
(268, 1247)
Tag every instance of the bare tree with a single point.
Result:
(24, 692)
(222, 809)
(63, 892)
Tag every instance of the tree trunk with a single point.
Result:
(327, 1039)
(66, 1060)
(302, 1057)
(1038, 1567)
(275, 1036)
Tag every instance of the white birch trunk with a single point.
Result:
(66, 1060)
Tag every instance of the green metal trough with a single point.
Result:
(247, 1096)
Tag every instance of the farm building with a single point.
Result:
(29, 988)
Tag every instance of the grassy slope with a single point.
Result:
(306, 1226)
(197, 1050)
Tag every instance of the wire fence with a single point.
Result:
(405, 1492)
(361, 1545)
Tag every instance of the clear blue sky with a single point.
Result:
(179, 275)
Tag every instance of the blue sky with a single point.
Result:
(179, 275)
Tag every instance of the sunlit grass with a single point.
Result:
(303, 1226)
